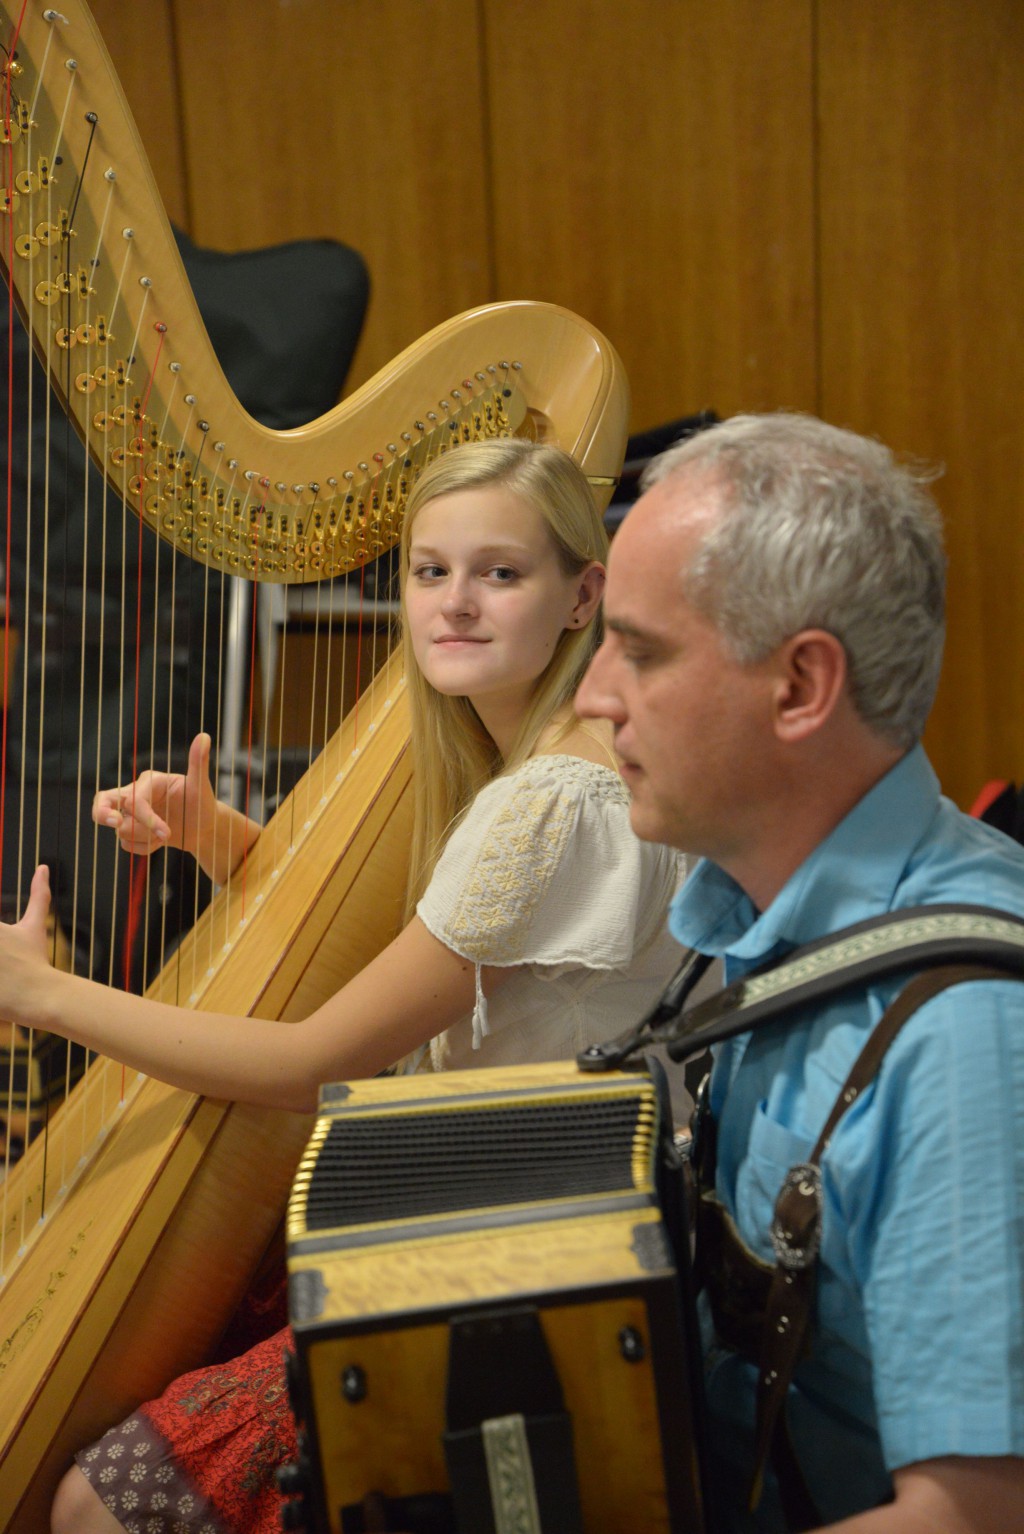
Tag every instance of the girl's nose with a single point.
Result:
(458, 600)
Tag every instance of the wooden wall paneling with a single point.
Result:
(652, 166)
(348, 120)
(141, 46)
(921, 192)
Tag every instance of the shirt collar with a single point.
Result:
(853, 873)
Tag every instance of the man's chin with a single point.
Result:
(645, 822)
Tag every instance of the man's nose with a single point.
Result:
(596, 696)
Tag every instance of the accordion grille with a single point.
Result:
(381, 1167)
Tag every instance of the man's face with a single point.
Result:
(692, 725)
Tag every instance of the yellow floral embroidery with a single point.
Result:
(492, 917)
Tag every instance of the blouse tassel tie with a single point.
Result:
(480, 1023)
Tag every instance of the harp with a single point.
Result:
(123, 1248)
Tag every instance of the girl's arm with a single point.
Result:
(413, 990)
(173, 809)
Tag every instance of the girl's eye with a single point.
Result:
(428, 572)
(503, 574)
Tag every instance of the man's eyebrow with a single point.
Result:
(630, 630)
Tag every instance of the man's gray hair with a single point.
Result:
(822, 528)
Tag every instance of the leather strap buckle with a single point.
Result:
(795, 1231)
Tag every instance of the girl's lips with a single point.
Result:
(456, 639)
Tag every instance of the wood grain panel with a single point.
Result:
(141, 46)
(350, 121)
(696, 181)
(922, 250)
(652, 169)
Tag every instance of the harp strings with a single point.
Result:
(75, 694)
(166, 468)
(9, 1032)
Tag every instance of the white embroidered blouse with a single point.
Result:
(545, 873)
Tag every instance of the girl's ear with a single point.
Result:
(589, 591)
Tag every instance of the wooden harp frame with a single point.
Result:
(142, 1256)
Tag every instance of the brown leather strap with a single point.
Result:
(796, 1236)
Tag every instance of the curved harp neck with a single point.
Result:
(99, 280)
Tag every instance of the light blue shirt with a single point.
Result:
(918, 1346)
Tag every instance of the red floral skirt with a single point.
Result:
(203, 1457)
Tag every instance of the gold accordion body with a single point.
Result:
(490, 1319)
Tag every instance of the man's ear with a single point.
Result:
(812, 674)
(589, 591)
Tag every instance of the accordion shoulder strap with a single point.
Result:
(796, 1237)
(900, 942)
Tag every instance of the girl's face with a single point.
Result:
(486, 599)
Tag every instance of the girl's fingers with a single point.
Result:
(37, 908)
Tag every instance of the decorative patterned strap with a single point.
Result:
(870, 950)
(882, 946)
(510, 1474)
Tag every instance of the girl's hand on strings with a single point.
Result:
(25, 954)
(162, 809)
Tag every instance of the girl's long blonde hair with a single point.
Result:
(453, 754)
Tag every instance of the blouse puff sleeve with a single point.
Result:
(545, 869)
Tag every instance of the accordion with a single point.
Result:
(490, 1298)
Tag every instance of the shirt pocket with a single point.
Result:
(772, 1150)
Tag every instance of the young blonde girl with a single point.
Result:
(535, 922)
